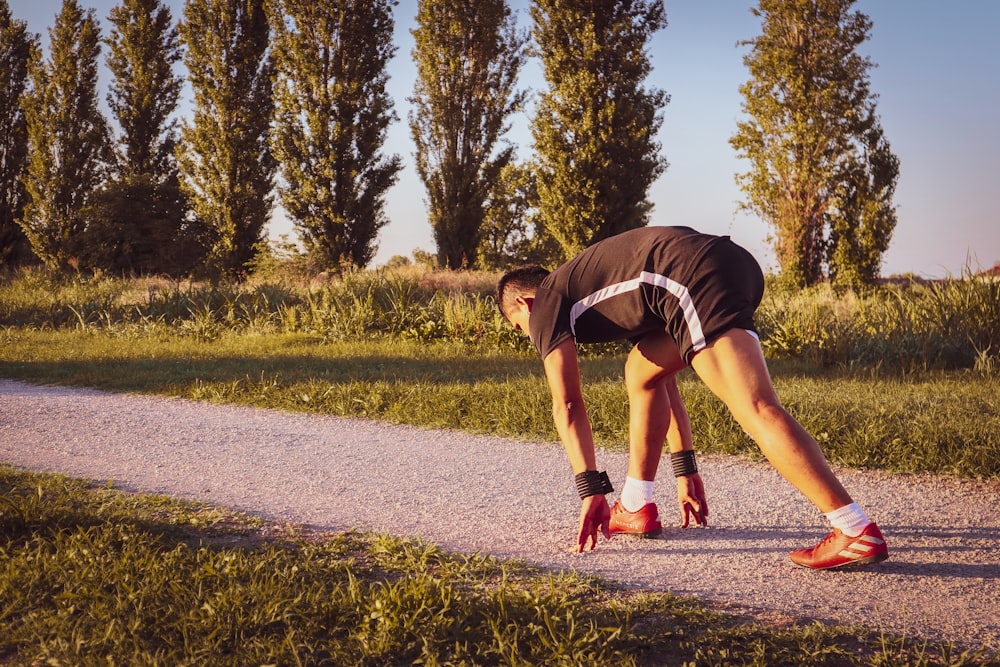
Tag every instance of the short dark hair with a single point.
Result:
(522, 281)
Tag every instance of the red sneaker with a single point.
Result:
(643, 523)
(838, 550)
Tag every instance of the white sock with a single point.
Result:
(636, 494)
(850, 519)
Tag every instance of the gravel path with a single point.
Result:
(517, 500)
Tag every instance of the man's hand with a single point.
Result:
(594, 515)
(691, 497)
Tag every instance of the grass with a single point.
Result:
(900, 327)
(91, 575)
(904, 379)
(930, 421)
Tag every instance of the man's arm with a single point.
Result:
(562, 371)
(569, 413)
(690, 488)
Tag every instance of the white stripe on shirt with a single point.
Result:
(680, 291)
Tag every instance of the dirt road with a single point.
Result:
(517, 500)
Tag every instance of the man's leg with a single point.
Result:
(733, 367)
(649, 381)
(656, 412)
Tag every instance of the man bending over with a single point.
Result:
(683, 299)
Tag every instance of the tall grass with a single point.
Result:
(408, 303)
(897, 328)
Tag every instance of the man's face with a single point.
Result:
(519, 313)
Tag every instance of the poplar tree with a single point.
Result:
(225, 159)
(68, 137)
(510, 234)
(468, 56)
(595, 126)
(864, 218)
(821, 172)
(17, 49)
(332, 113)
(138, 224)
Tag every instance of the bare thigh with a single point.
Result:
(652, 360)
(733, 367)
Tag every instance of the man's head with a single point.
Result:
(516, 290)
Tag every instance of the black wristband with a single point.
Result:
(591, 483)
(683, 463)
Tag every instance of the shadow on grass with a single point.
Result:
(153, 374)
(56, 505)
(158, 374)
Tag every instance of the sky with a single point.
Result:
(936, 75)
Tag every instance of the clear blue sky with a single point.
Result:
(938, 82)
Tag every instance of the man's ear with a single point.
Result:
(527, 301)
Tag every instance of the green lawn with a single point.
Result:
(934, 421)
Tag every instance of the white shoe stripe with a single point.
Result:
(864, 546)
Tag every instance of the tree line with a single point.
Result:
(290, 104)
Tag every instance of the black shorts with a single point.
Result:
(725, 291)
